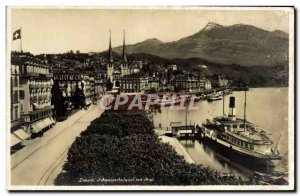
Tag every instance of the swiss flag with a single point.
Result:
(17, 34)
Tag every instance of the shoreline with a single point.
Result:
(178, 147)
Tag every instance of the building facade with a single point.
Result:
(187, 84)
(219, 81)
(34, 92)
(205, 84)
(133, 84)
(93, 86)
(15, 107)
(153, 84)
(67, 80)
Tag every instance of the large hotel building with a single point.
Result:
(31, 81)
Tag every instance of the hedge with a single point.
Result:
(120, 148)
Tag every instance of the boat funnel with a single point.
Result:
(231, 114)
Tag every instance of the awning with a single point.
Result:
(14, 140)
(88, 101)
(37, 127)
(53, 121)
(42, 124)
(21, 134)
(47, 122)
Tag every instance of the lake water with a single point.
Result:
(266, 108)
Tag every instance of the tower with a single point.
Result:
(110, 62)
(124, 64)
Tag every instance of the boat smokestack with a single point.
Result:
(231, 114)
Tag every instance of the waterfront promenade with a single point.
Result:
(42, 159)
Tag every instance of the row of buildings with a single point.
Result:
(93, 86)
(131, 84)
(32, 80)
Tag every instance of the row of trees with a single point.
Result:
(121, 148)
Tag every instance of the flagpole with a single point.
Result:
(21, 39)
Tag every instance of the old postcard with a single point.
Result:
(150, 98)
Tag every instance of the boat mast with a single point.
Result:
(186, 118)
(223, 104)
(245, 111)
(277, 142)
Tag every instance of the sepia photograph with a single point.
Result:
(150, 98)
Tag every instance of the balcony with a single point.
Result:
(37, 75)
(40, 110)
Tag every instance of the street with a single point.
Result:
(42, 159)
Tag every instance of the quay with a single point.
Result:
(178, 147)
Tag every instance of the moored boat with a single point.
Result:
(214, 97)
(239, 135)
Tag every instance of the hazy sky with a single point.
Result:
(60, 30)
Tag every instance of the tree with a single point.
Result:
(78, 98)
(58, 101)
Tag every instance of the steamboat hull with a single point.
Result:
(238, 150)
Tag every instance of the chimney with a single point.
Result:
(231, 114)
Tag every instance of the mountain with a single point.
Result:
(241, 44)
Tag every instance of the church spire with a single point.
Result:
(124, 58)
(110, 55)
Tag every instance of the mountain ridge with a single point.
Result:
(242, 44)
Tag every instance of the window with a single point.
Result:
(234, 126)
(11, 114)
(16, 82)
(15, 97)
(251, 147)
(246, 145)
(22, 81)
(22, 94)
(16, 112)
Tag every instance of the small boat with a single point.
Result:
(227, 92)
(202, 97)
(214, 97)
(197, 98)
